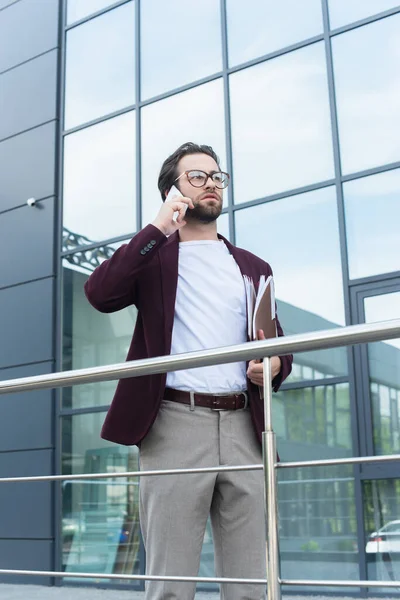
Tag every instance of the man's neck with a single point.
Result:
(198, 231)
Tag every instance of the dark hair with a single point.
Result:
(168, 172)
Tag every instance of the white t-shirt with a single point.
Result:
(210, 312)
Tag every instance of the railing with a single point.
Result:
(355, 334)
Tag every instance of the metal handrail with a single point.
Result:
(345, 336)
(302, 342)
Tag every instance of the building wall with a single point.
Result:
(29, 56)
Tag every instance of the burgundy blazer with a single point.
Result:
(144, 273)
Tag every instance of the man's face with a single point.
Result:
(207, 199)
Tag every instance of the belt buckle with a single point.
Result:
(216, 403)
(246, 399)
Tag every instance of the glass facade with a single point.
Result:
(301, 105)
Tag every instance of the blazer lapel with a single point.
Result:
(169, 256)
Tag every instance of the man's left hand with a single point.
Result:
(255, 372)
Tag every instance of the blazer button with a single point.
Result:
(149, 247)
(153, 242)
(143, 252)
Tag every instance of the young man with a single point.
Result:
(187, 283)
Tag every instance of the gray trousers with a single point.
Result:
(174, 508)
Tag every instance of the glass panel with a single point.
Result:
(197, 116)
(299, 237)
(76, 9)
(372, 215)
(382, 531)
(366, 61)
(342, 12)
(91, 338)
(384, 373)
(282, 140)
(100, 180)
(257, 27)
(100, 523)
(180, 43)
(100, 66)
(317, 513)
(223, 225)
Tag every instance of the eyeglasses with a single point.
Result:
(199, 178)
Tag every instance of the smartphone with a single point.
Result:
(172, 194)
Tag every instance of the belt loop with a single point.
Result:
(246, 400)
(191, 400)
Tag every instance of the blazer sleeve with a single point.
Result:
(113, 285)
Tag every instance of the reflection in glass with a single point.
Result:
(180, 43)
(90, 338)
(100, 523)
(382, 530)
(317, 515)
(342, 12)
(257, 27)
(193, 116)
(372, 212)
(283, 139)
(100, 179)
(76, 9)
(299, 237)
(100, 66)
(384, 374)
(366, 63)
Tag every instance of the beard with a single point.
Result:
(203, 212)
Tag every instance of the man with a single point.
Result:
(187, 283)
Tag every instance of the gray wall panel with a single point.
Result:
(28, 95)
(26, 322)
(27, 29)
(26, 235)
(30, 555)
(27, 166)
(26, 421)
(27, 506)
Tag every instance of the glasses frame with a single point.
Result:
(207, 175)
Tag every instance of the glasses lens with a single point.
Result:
(220, 179)
(197, 178)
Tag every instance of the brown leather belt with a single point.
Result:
(233, 402)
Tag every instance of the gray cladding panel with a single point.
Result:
(28, 95)
(26, 506)
(27, 28)
(29, 555)
(26, 243)
(26, 419)
(26, 323)
(27, 166)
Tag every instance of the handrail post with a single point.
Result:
(271, 491)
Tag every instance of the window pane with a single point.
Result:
(382, 531)
(193, 116)
(257, 27)
(372, 213)
(180, 42)
(384, 375)
(281, 132)
(100, 518)
(90, 338)
(299, 237)
(100, 179)
(100, 66)
(342, 12)
(76, 9)
(317, 513)
(366, 63)
(223, 225)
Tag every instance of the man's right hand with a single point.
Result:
(165, 221)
